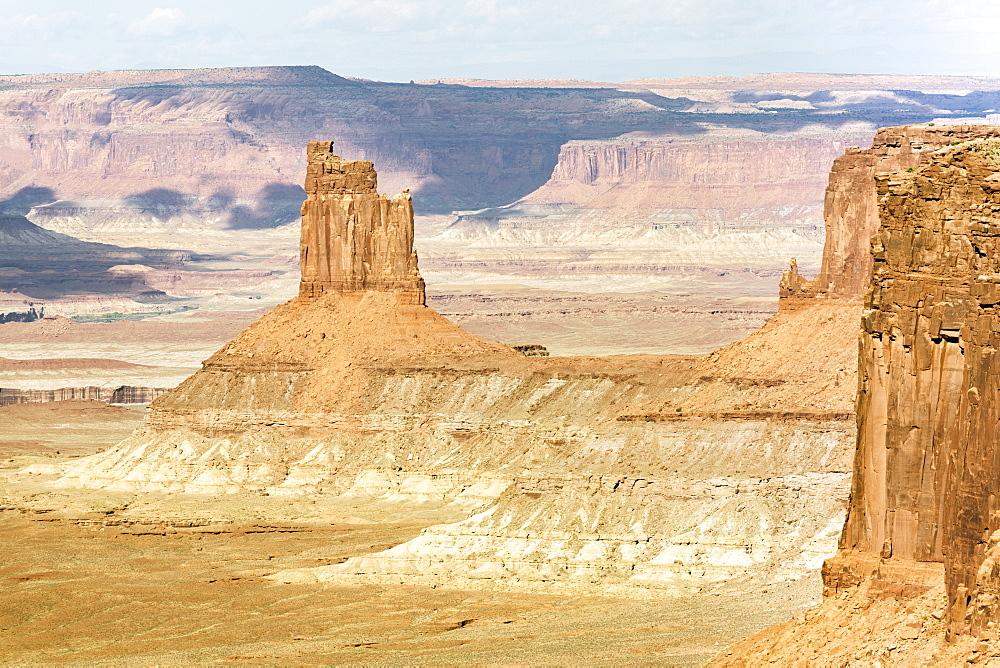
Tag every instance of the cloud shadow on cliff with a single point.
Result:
(276, 204)
(51, 265)
(21, 202)
(162, 203)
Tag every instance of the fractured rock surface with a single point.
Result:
(922, 525)
(925, 469)
(850, 205)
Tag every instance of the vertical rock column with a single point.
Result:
(354, 239)
(927, 469)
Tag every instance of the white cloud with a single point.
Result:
(39, 26)
(158, 22)
(374, 15)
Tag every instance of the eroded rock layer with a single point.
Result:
(664, 474)
(124, 394)
(927, 459)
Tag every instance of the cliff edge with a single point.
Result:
(916, 577)
(851, 211)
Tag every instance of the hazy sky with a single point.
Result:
(415, 39)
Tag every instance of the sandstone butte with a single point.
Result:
(915, 579)
(652, 475)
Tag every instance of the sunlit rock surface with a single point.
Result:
(648, 474)
(915, 578)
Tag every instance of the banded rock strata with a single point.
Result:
(726, 197)
(647, 474)
(124, 394)
(127, 153)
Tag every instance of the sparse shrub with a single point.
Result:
(988, 148)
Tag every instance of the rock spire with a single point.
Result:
(355, 239)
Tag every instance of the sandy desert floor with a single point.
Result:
(98, 578)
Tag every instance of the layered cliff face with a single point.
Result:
(718, 171)
(920, 537)
(643, 198)
(850, 206)
(636, 474)
(726, 198)
(129, 152)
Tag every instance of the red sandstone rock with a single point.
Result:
(851, 209)
(923, 525)
(927, 466)
(926, 474)
(353, 238)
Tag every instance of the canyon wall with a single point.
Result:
(653, 475)
(922, 526)
(726, 198)
(925, 468)
(663, 191)
(124, 394)
(720, 170)
(132, 152)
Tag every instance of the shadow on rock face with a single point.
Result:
(277, 204)
(20, 203)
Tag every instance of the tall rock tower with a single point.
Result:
(355, 239)
(927, 469)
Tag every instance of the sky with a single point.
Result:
(400, 40)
